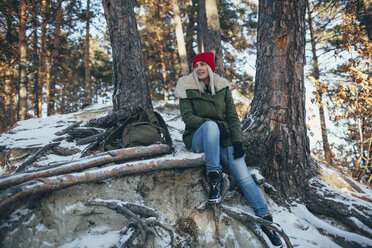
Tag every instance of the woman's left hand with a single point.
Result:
(238, 150)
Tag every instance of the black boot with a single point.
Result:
(215, 186)
(273, 236)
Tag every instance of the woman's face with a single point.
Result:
(201, 69)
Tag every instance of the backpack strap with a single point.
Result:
(168, 139)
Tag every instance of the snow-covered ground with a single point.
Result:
(299, 224)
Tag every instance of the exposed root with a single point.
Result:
(135, 213)
(253, 223)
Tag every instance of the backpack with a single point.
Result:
(142, 128)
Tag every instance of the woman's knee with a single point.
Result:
(211, 125)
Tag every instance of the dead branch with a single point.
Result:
(64, 151)
(64, 131)
(245, 218)
(16, 195)
(90, 139)
(124, 154)
(32, 159)
(83, 132)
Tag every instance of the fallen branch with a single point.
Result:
(88, 162)
(64, 131)
(90, 139)
(33, 158)
(16, 195)
(245, 218)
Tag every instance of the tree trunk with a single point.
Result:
(130, 86)
(275, 129)
(22, 103)
(209, 34)
(35, 94)
(327, 151)
(41, 72)
(202, 27)
(162, 64)
(180, 39)
(190, 32)
(88, 84)
(55, 61)
(213, 41)
(367, 18)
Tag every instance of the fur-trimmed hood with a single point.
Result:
(190, 82)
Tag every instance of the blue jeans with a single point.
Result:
(207, 139)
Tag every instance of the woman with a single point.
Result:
(212, 126)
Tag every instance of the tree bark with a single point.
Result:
(180, 39)
(88, 84)
(274, 129)
(54, 67)
(22, 103)
(130, 86)
(41, 69)
(367, 18)
(316, 74)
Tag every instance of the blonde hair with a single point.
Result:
(201, 85)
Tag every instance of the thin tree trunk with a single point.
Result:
(367, 18)
(162, 64)
(180, 39)
(55, 64)
(327, 151)
(202, 27)
(190, 32)
(36, 96)
(130, 86)
(41, 69)
(22, 112)
(213, 42)
(88, 84)
(275, 129)
(209, 33)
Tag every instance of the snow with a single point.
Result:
(299, 224)
(95, 238)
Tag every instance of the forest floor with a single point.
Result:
(301, 226)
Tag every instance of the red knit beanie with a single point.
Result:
(207, 57)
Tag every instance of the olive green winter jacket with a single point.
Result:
(198, 107)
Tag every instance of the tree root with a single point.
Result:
(135, 213)
(340, 237)
(352, 212)
(253, 222)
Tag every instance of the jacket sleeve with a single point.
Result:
(191, 120)
(233, 119)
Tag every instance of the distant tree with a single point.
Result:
(320, 88)
(22, 103)
(352, 98)
(130, 86)
(180, 38)
(88, 83)
(209, 31)
(55, 68)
